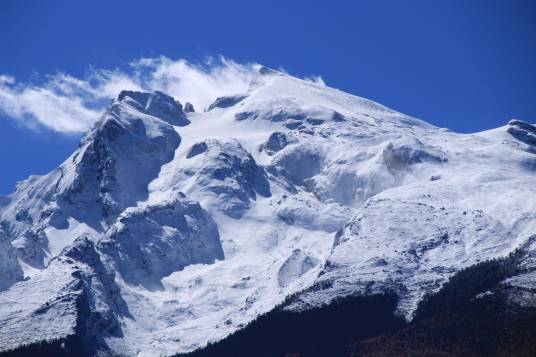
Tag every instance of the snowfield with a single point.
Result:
(168, 228)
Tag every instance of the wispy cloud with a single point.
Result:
(316, 80)
(199, 84)
(59, 109)
(70, 105)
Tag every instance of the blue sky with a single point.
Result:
(467, 65)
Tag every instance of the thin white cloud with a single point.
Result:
(70, 105)
(199, 84)
(4, 78)
(316, 80)
(46, 106)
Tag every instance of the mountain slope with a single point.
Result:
(197, 223)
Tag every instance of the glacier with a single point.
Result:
(169, 228)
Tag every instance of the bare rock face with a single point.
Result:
(227, 101)
(118, 146)
(189, 107)
(522, 131)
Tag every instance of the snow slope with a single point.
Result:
(173, 228)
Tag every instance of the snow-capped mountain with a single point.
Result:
(168, 228)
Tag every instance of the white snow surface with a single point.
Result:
(179, 228)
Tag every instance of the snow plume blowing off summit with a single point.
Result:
(204, 196)
(70, 105)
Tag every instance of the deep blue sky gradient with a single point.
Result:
(464, 64)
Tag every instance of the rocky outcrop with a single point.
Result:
(148, 243)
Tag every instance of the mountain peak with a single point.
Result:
(194, 229)
(155, 103)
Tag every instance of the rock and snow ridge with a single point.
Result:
(168, 228)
